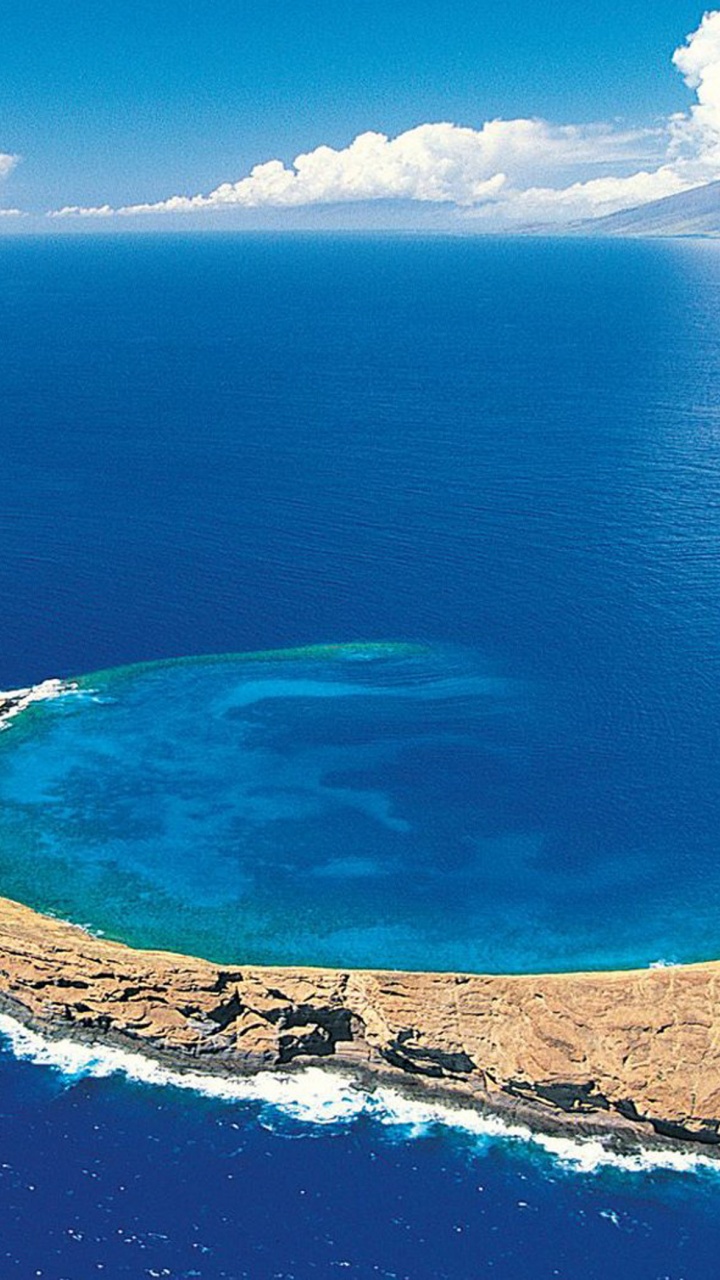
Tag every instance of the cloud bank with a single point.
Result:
(509, 172)
(440, 163)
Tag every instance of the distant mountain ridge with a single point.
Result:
(690, 213)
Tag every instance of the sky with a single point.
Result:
(208, 113)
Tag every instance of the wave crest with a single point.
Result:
(317, 1096)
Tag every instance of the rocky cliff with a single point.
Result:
(635, 1054)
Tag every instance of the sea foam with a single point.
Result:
(317, 1096)
(20, 699)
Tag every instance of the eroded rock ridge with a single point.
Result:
(630, 1053)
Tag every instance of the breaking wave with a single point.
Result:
(316, 1096)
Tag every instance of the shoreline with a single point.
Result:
(15, 701)
(630, 1057)
(626, 1057)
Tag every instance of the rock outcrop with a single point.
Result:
(14, 701)
(634, 1054)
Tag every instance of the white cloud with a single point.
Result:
(442, 163)
(439, 163)
(89, 211)
(580, 200)
(696, 137)
(7, 162)
(508, 172)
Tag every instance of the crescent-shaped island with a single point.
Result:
(632, 1056)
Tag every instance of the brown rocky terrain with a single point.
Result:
(633, 1054)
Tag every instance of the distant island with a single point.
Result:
(690, 213)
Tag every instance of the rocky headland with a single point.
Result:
(632, 1055)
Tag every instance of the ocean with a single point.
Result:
(489, 473)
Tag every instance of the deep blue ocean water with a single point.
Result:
(506, 452)
(100, 1177)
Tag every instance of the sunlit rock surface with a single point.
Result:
(630, 1053)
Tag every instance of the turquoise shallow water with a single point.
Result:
(360, 804)
(319, 805)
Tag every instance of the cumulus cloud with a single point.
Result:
(512, 171)
(696, 137)
(439, 163)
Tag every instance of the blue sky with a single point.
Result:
(126, 102)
